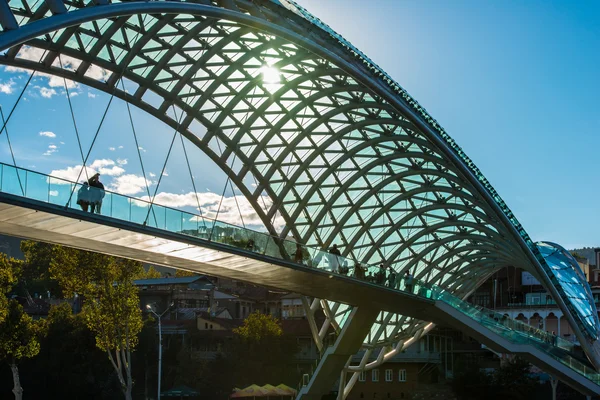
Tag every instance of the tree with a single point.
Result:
(180, 273)
(111, 304)
(262, 352)
(19, 338)
(512, 381)
(151, 273)
(259, 328)
(9, 272)
(35, 276)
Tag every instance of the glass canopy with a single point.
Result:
(570, 277)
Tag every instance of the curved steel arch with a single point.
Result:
(283, 31)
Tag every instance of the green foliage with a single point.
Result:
(37, 259)
(258, 328)
(10, 270)
(512, 381)
(180, 273)
(151, 273)
(19, 334)
(36, 268)
(260, 353)
(111, 305)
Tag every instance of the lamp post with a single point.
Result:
(149, 308)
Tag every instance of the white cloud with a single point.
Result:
(52, 148)
(111, 148)
(129, 184)
(101, 166)
(209, 204)
(53, 193)
(71, 173)
(113, 171)
(48, 134)
(120, 147)
(102, 163)
(73, 94)
(47, 93)
(62, 142)
(165, 173)
(92, 95)
(7, 87)
(122, 161)
(152, 175)
(142, 149)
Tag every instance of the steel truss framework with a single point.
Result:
(274, 96)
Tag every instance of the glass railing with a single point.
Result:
(48, 189)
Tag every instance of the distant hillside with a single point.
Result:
(587, 252)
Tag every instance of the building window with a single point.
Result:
(402, 375)
(375, 375)
(363, 376)
(389, 375)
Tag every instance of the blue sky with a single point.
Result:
(514, 83)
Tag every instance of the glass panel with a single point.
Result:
(12, 182)
(37, 186)
(173, 220)
(57, 191)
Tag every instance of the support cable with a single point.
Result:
(231, 185)
(4, 122)
(222, 195)
(11, 151)
(166, 161)
(73, 119)
(193, 181)
(137, 146)
(112, 96)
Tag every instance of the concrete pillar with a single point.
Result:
(335, 358)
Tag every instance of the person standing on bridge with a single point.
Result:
(392, 278)
(408, 282)
(96, 193)
(83, 196)
(333, 258)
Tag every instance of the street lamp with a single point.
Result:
(149, 308)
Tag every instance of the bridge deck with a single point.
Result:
(33, 219)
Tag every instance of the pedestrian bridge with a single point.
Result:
(41, 208)
(291, 112)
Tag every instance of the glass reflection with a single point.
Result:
(574, 284)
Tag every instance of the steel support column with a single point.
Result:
(347, 344)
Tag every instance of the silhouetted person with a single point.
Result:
(96, 194)
(359, 271)
(392, 278)
(380, 276)
(299, 254)
(334, 261)
(83, 196)
(408, 282)
(250, 245)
